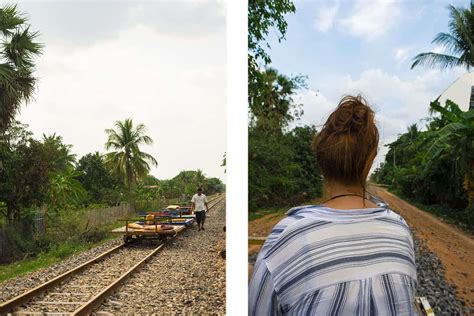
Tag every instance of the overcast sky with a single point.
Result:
(159, 63)
(366, 46)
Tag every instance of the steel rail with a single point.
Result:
(95, 302)
(99, 298)
(85, 309)
(24, 297)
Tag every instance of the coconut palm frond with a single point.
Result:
(19, 48)
(128, 161)
(435, 60)
(459, 41)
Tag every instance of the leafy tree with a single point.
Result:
(151, 180)
(308, 176)
(62, 159)
(282, 169)
(96, 178)
(17, 134)
(19, 46)
(200, 179)
(65, 190)
(146, 193)
(214, 185)
(24, 177)
(264, 16)
(127, 161)
(273, 107)
(459, 42)
(185, 184)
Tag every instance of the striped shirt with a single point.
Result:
(323, 261)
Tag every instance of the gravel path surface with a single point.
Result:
(186, 277)
(15, 286)
(433, 285)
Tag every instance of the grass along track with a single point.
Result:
(81, 289)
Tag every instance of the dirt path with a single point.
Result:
(452, 246)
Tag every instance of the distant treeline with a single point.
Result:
(44, 173)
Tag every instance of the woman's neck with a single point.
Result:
(353, 200)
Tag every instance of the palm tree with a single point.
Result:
(127, 161)
(200, 179)
(63, 158)
(459, 42)
(16, 67)
(274, 107)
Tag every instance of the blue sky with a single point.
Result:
(365, 47)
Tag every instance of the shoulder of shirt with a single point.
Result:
(293, 218)
(291, 223)
(396, 216)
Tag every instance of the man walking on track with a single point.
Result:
(199, 206)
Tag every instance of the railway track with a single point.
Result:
(80, 290)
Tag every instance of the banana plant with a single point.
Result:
(456, 139)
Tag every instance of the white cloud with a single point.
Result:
(397, 102)
(325, 17)
(316, 107)
(371, 19)
(402, 53)
(174, 85)
(63, 21)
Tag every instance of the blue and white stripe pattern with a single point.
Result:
(323, 261)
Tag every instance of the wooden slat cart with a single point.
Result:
(173, 220)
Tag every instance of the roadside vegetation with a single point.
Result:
(53, 203)
(433, 166)
(281, 167)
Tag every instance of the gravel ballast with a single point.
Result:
(15, 286)
(433, 285)
(186, 277)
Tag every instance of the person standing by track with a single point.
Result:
(199, 207)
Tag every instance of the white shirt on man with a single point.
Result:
(199, 202)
